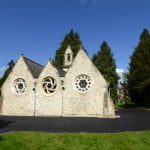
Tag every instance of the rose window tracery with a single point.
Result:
(83, 83)
(49, 85)
(20, 85)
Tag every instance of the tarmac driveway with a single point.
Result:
(130, 120)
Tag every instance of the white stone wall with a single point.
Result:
(67, 102)
(13, 103)
(89, 103)
(48, 104)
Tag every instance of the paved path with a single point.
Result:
(130, 120)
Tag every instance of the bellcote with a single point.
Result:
(68, 57)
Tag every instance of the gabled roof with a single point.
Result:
(34, 67)
(61, 72)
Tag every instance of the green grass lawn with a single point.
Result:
(75, 141)
(131, 105)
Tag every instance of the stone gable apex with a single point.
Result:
(68, 49)
(80, 60)
(19, 61)
(49, 68)
(19, 69)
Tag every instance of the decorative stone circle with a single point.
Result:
(49, 85)
(20, 85)
(83, 83)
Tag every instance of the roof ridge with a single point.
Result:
(33, 61)
(34, 67)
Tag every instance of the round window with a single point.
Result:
(49, 85)
(20, 85)
(83, 83)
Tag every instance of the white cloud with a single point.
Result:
(119, 70)
(2, 70)
(120, 73)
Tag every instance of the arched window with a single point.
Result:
(68, 57)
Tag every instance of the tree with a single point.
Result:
(105, 63)
(72, 39)
(8, 70)
(124, 85)
(144, 35)
(139, 71)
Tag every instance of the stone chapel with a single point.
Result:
(78, 89)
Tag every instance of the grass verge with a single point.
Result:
(128, 106)
(75, 141)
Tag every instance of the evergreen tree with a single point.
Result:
(139, 71)
(8, 70)
(105, 63)
(144, 35)
(72, 39)
(124, 84)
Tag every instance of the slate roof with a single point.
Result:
(61, 72)
(36, 68)
(66, 66)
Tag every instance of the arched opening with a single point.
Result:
(68, 57)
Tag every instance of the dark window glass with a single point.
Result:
(83, 83)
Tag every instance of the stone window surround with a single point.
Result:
(49, 91)
(86, 85)
(82, 83)
(16, 82)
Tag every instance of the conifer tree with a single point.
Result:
(105, 63)
(139, 71)
(7, 72)
(124, 84)
(144, 35)
(72, 39)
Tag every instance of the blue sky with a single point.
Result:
(37, 27)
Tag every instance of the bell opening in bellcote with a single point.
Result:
(68, 58)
